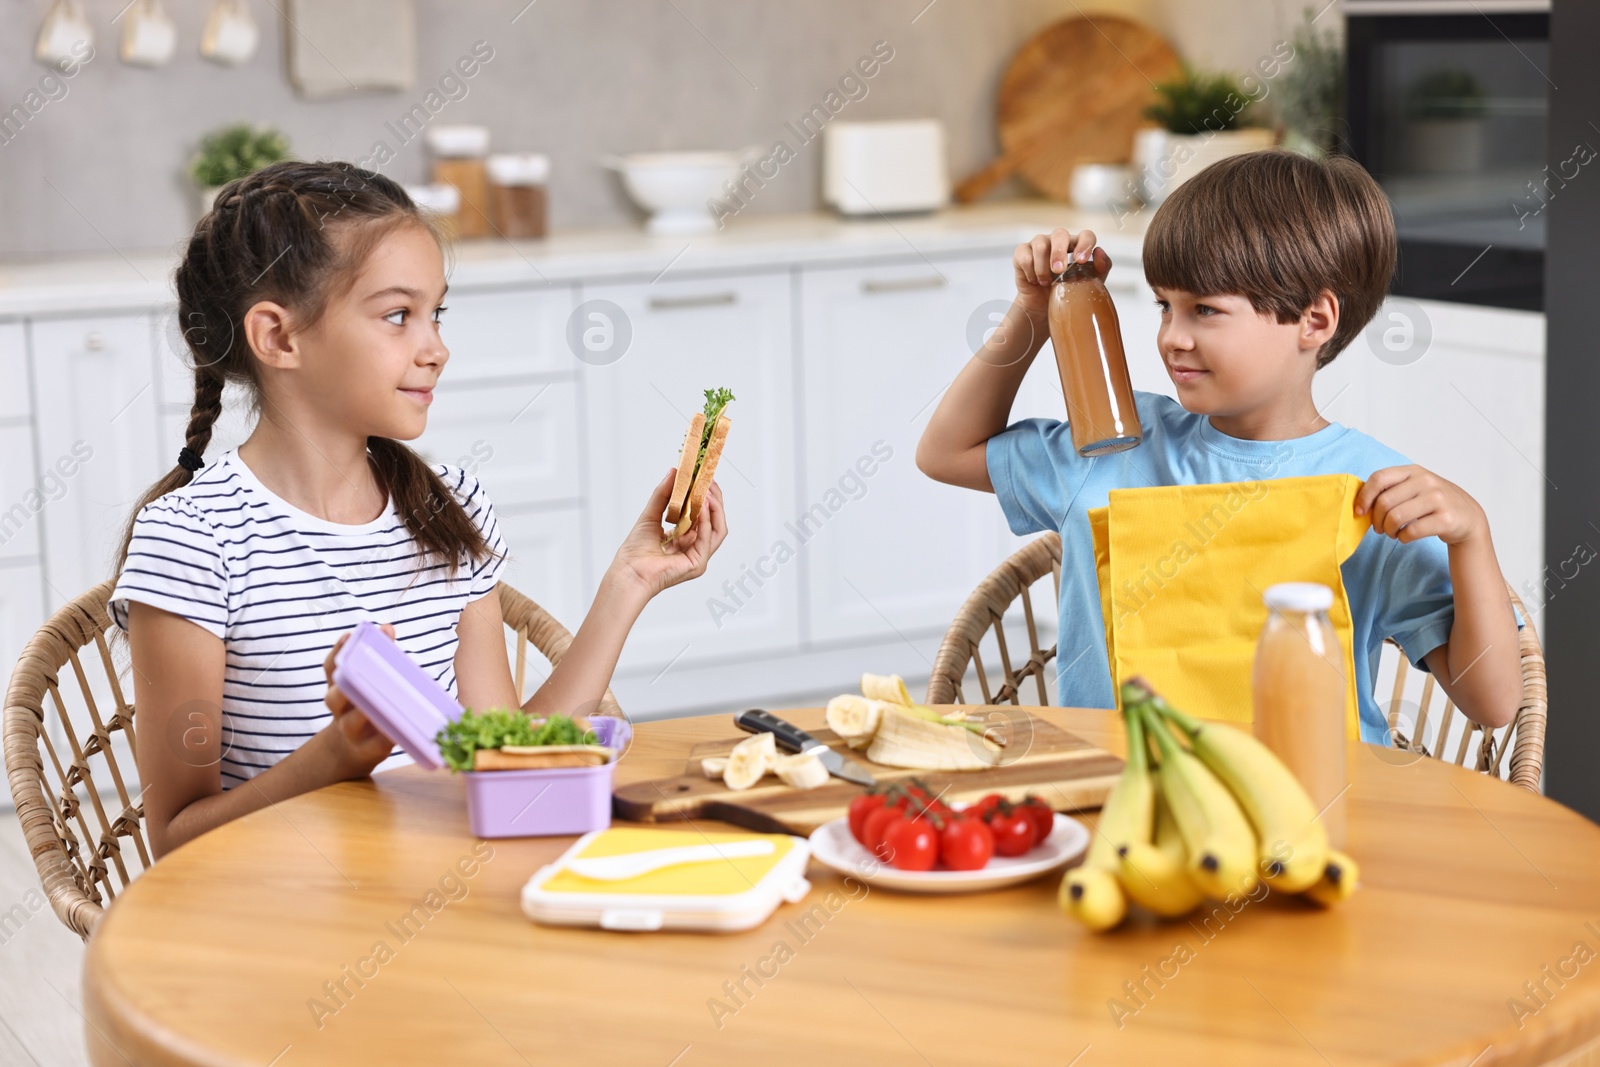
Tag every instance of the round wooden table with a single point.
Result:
(274, 940)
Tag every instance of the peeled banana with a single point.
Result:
(855, 718)
(714, 766)
(749, 760)
(1220, 843)
(907, 740)
(889, 687)
(802, 771)
(1293, 841)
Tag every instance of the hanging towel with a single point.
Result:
(1182, 569)
(343, 46)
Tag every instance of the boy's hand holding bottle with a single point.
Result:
(1035, 264)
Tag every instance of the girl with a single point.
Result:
(319, 287)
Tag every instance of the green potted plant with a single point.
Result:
(233, 152)
(1200, 118)
(1311, 94)
(1445, 112)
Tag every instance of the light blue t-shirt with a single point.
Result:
(1395, 590)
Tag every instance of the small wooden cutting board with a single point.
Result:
(1066, 771)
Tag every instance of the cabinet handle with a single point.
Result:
(902, 285)
(677, 303)
(94, 340)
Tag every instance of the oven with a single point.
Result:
(1447, 104)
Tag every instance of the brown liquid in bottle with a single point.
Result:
(1094, 372)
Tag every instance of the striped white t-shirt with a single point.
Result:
(279, 586)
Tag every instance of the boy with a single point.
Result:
(1265, 267)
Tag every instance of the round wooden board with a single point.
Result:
(1074, 93)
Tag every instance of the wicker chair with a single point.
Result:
(88, 843)
(984, 611)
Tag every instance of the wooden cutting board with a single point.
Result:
(1074, 93)
(1066, 771)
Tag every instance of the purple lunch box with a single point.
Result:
(410, 707)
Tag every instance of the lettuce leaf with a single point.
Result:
(716, 400)
(499, 727)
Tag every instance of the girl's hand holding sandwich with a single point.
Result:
(653, 566)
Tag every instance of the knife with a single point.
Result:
(791, 738)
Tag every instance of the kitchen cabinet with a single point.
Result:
(888, 550)
(518, 437)
(94, 384)
(14, 398)
(21, 610)
(688, 335)
(506, 333)
(23, 494)
(547, 560)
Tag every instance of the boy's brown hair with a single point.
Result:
(1278, 228)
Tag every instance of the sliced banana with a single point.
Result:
(749, 760)
(714, 766)
(890, 687)
(854, 718)
(802, 771)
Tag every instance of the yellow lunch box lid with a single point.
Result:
(721, 894)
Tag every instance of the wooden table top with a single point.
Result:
(1472, 941)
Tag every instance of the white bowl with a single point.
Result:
(1101, 186)
(675, 187)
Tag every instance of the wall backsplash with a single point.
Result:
(99, 167)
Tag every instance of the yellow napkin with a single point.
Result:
(1182, 569)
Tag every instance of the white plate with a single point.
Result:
(832, 845)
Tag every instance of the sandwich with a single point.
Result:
(697, 464)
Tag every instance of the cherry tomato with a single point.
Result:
(1013, 831)
(876, 822)
(923, 797)
(860, 808)
(911, 844)
(981, 808)
(965, 844)
(1044, 820)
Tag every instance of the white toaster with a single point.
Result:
(868, 167)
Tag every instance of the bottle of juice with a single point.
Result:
(1094, 371)
(1299, 694)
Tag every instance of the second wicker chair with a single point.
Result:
(983, 616)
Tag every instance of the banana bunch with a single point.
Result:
(1214, 815)
(898, 733)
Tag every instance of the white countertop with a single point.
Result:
(127, 279)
